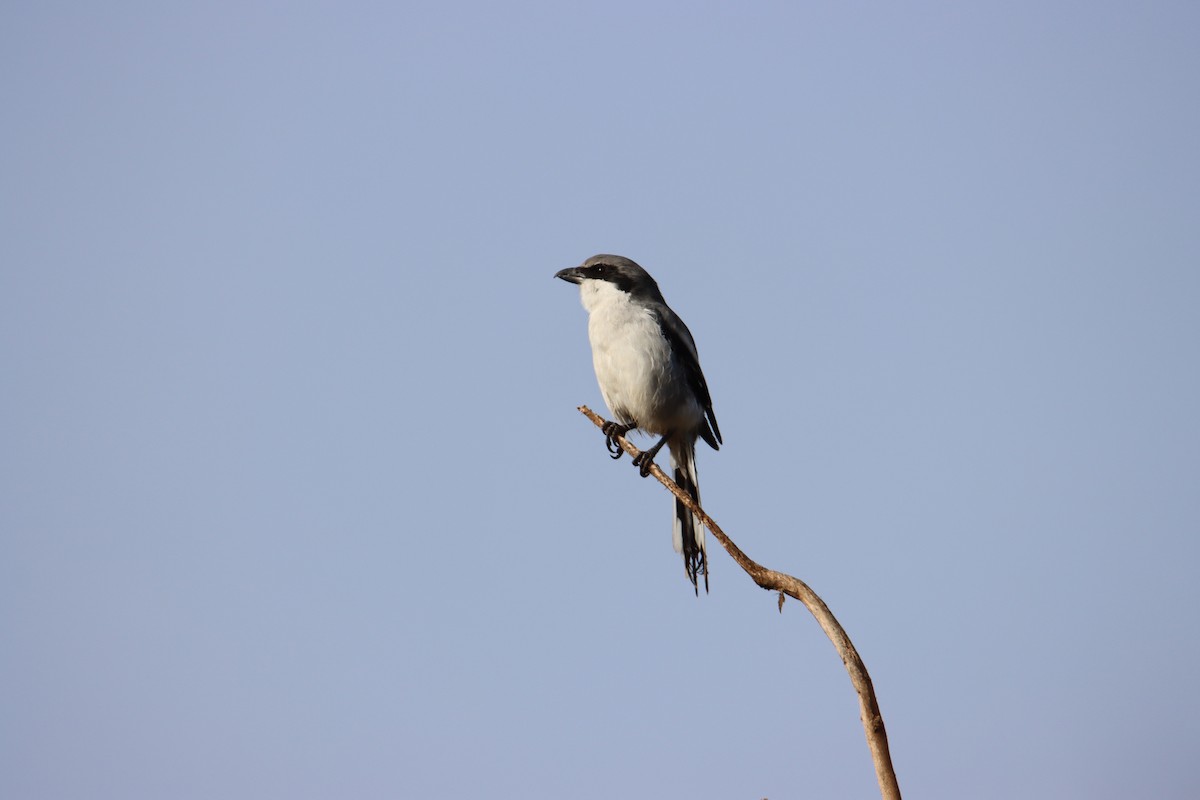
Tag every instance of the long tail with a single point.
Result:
(688, 529)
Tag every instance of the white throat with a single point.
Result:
(597, 294)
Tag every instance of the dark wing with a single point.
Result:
(685, 350)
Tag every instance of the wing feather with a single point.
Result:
(677, 333)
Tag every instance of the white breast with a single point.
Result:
(640, 381)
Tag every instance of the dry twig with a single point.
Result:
(774, 581)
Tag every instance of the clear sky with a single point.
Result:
(294, 499)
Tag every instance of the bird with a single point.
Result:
(650, 377)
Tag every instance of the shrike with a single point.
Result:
(649, 375)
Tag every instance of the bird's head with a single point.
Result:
(604, 274)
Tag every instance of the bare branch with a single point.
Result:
(774, 581)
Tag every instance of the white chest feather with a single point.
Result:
(639, 378)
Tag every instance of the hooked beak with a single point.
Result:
(570, 275)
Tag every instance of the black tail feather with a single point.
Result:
(695, 561)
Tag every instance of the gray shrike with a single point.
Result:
(649, 375)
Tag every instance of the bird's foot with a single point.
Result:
(644, 461)
(611, 431)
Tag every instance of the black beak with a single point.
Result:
(570, 275)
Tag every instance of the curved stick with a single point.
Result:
(774, 581)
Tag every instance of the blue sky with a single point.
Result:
(296, 502)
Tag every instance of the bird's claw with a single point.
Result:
(644, 461)
(611, 431)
